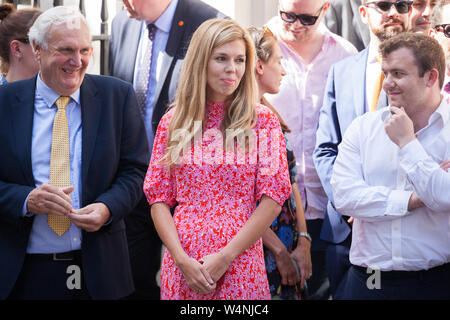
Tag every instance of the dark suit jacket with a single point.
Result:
(344, 100)
(344, 19)
(124, 42)
(115, 156)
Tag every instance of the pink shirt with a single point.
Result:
(299, 102)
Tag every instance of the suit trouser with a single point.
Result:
(144, 246)
(44, 278)
(338, 263)
(318, 284)
(432, 284)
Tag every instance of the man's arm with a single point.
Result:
(430, 182)
(125, 190)
(328, 136)
(352, 195)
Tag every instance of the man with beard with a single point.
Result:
(353, 88)
(440, 30)
(387, 176)
(309, 49)
(420, 15)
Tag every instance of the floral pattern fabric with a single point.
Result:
(215, 199)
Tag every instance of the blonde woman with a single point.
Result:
(217, 152)
(287, 248)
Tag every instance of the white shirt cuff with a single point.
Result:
(398, 202)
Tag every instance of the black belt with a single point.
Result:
(62, 256)
(396, 274)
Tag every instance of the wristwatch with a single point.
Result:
(306, 235)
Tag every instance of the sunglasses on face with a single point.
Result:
(305, 19)
(444, 28)
(384, 6)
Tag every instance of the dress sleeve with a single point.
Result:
(272, 176)
(160, 184)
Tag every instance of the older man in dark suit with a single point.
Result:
(147, 49)
(74, 157)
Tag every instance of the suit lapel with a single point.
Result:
(22, 112)
(90, 119)
(359, 92)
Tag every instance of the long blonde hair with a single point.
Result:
(190, 98)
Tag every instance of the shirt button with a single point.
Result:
(395, 228)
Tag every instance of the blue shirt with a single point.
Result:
(42, 238)
(163, 25)
(2, 80)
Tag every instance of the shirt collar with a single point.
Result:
(164, 22)
(442, 111)
(50, 96)
(374, 52)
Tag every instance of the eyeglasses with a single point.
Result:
(401, 6)
(444, 28)
(305, 19)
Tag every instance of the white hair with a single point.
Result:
(39, 31)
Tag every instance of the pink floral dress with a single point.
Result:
(216, 192)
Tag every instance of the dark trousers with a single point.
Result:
(318, 284)
(338, 263)
(432, 284)
(144, 246)
(42, 278)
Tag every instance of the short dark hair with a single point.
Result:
(426, 50)
(436, 14)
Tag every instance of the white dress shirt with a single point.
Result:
(373, 180)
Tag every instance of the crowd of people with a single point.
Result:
(304, 159)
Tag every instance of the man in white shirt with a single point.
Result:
(353, 88)
(309, 49)
(387, 176)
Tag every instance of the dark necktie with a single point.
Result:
(144, 71)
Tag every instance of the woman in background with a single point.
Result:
(213, 241)
(16, 55)
(287, 248)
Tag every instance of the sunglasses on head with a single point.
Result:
(265, 31)
(444, 28)
(305, 19)
(401, 6)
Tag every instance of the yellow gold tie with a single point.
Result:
(377, 89)
(60, 162)
(376, 92)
